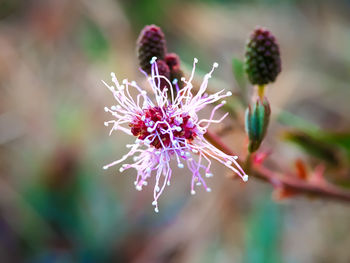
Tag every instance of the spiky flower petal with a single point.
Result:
(167, 128)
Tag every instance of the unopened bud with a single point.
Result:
(256, 122)
(151, 43)
(173, 62)
(262, 57)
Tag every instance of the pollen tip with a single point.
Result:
(106, 109)
(153, 59)
(223, 102)
(175, 81)
(180, 165)
(208, 175)
(105, 167)
(168, 183)
(138, 187)
(105, 123)
(121, 169)
(156, 210)
(215, 65)
(229, 93)
(245, 178)
(193, 192)
(208, 189)
(195, 60)
(228, 163)
(235, 157)
(154, 202)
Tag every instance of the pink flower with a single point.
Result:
(167, 128)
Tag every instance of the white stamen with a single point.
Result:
(245, 178)
(153, 60)
(180, 165)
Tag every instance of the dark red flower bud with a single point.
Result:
(262, 57)
(173, 61)
(151, 43)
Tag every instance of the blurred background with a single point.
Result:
(56, 202)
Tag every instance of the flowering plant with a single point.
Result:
(168, 127)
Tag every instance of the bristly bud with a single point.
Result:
(173, 61)
(262, 57)
(151, 43)
(256, 122)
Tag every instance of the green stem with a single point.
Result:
(261, 91)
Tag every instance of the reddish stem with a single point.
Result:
(294, 184)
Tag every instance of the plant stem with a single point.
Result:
(325, 191)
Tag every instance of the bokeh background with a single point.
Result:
(56, 202)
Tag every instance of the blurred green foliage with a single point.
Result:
(92, 40)
(263, 233)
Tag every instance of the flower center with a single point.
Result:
(161, 127)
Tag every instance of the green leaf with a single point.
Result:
(315, 146)
(240, 77)
(263, 233)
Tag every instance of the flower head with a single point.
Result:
(166, 126)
